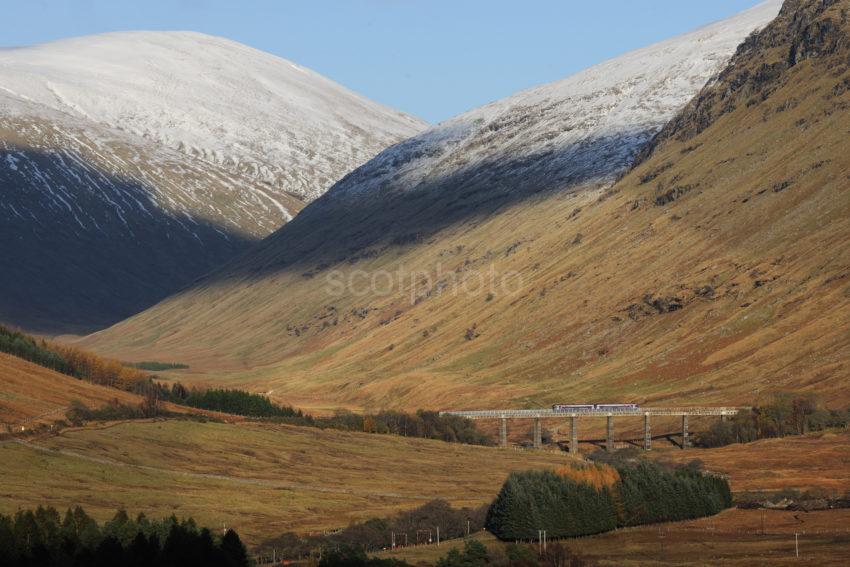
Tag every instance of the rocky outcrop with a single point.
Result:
(804, 30)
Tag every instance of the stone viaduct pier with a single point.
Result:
(575, 414)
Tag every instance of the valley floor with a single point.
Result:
(267, 479)
(260, 479)
(819, 461)
(734, 537)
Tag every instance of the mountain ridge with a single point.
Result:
(581, 131)
(185, 90)
(104, 213)
(660, 288)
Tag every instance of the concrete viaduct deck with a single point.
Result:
(575, 414)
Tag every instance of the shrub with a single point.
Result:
(785, 413)
(474, 554)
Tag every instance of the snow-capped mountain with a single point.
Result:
(578, 133)
(468, 195)
(243, 109)
(133, 163)
(583, 129)
(715, 269)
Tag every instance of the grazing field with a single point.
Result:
(260, 479)
(814, 461)
(30, 393)
(733, 537)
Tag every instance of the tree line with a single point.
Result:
(410, 527)
(786, 413)
(155, 366)
(90, 367)
(28, 348)
(73, 361)
(422, 423)
(568, 505)
(42, 537)
(352, 546)
(237, 402)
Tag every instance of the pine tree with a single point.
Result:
(234, 551)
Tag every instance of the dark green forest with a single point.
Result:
(237, 402)
(44, 538)
(645, 493)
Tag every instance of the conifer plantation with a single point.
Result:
(44, 538)
(578, 501)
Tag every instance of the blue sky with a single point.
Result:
(432, 58)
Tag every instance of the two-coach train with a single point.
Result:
(597, 407)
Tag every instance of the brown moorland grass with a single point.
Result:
(30, 393)
(814, 461)
(261, 479)
(733, 537)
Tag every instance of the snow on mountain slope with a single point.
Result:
(587, 127)
(453, 201)
(209, 97)
(133, 163)
(577, 133)
(97, 224)
(73, 175)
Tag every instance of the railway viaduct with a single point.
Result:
(575, 414)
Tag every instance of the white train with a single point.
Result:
(599, 407)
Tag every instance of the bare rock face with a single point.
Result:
(804, 30)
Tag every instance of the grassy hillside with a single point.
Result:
(30, 393)
(272, 478)
(819, 461)
(714, 272)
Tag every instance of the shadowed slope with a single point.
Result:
(133, 163)
(92, 234)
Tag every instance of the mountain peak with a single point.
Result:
(210, 97)
(154, 156)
